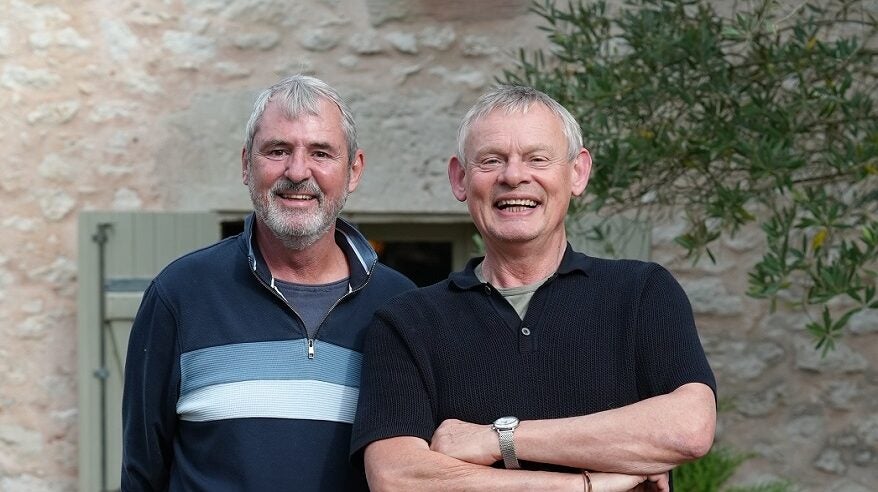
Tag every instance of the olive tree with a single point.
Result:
(764, 113)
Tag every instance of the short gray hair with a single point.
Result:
(518, 99)
(296, 95)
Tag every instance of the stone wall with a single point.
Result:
(140, 104)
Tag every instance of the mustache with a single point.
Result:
(284, 185)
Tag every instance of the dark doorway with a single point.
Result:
(425, 263)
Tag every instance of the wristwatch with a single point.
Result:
(505, 427)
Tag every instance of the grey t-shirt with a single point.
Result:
(519, 297)
(312, 302)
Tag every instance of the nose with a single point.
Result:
(514, 172)
(296, 167)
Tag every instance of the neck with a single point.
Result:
(514, 265)
(320, 263)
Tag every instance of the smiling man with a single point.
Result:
(244, 360)
(536, 367)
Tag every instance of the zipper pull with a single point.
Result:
(310, 348)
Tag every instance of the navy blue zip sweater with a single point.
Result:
(223, 388)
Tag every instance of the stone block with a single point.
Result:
(57, 113)
(126, 199)
(318, 39)
(761, 403)
(260, 41)
(831, 461)
(186, 44)
(366, 43)
(841, 360)
(17, 77)
(119, 39)
(56, 204)
(710, 296)
(438, 38)
(864, 322)
(403, 42)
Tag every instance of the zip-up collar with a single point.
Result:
(570, 262)
(360, 256)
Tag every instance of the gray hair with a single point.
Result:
(518, 99)
(296, 95)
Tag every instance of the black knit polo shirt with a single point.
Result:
(599, 334)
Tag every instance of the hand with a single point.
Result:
(654, 483)
(616, 482)
(473, 443)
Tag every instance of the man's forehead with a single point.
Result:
(276, 116)
(322, 108)
(502, 121)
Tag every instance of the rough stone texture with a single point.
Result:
(842, 360)
(262, 41)
(318, 39)
(141, 105)
(439, 38)
(366, 43)
(864, 322)
(403, 42)
(711, 296)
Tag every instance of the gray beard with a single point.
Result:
(295, 229)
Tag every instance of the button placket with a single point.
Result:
(525, 339)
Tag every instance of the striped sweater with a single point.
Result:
(221, 393)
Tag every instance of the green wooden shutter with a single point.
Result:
(136, 246)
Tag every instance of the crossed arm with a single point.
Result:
(630, 444)
(407, 463)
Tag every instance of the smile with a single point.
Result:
(516, 204)
(295, 197)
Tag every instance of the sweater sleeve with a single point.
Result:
(149, 417)
(669, 352)
(394, 398)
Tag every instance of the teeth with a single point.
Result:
(296, 197)
(517, 203)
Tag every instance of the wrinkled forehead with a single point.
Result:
(508, 118)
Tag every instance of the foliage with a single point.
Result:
(764, 115)
(712, 471)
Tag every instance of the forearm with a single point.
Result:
(407, 463)
(650, 436)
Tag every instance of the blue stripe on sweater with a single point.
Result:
(290, 399)
(274, 360)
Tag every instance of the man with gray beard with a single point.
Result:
(243, 366)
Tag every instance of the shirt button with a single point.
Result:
(487, 289)
(525, 331)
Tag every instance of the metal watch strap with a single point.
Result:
(507, 449)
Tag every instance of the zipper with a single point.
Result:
(337, 302)
(310, 341)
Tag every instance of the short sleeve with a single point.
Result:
(394, 397)
(669, 352)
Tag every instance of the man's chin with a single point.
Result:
(512, 236)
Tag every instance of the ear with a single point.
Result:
(580, 171)
(457, 177)
(356, 170)
(245, 175)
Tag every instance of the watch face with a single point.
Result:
(506, 423)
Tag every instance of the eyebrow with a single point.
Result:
(502, 151)
(320, 145)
